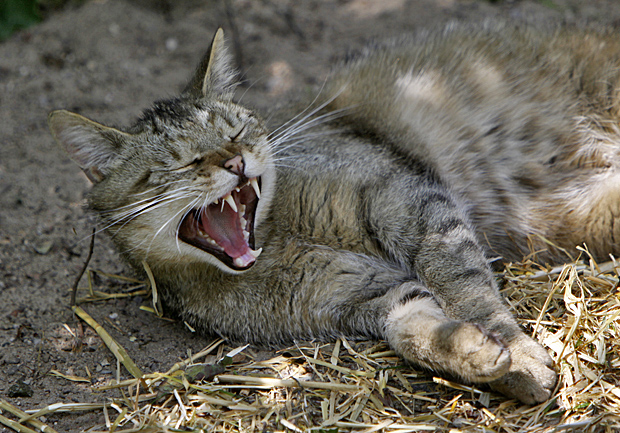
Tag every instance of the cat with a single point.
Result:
(376, 213)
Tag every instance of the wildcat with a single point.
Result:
(374, 215)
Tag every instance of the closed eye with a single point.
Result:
(239, 134)
(192, 165)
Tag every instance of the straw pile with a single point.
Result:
(572, 310)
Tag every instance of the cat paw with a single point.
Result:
(531, 377)
(481, 355)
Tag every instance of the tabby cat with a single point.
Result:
(376, 213)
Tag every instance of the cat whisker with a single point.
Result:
(303, 138)
(146, 200)
(158, 186)
(299, 128)
(130, 214)
(250, 86)
(303, 119)
(291, 167)
(184, 210)
(294, 118)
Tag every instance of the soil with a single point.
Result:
(107, 60)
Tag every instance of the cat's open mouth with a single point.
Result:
(225, 228)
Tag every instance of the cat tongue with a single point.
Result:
(224, 227)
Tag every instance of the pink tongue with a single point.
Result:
(224, 227)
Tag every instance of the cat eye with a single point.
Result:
(193, 164)
(239, 135)
(197, 161)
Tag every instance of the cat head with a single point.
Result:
(189, 182)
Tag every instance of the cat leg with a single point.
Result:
(419, 331)
(343, 293)
(431, 232)
(455, 270)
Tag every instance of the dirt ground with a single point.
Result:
(107, 60)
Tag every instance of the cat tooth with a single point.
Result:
(254, 184)
(243, 221)
(256, 253)
(217, 201)
(246, 235)
(237, 189)
(231, 202)
(239, 262)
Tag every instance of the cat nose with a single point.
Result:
(235, 165)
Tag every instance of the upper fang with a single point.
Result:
(254, 184)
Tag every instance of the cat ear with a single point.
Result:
(92, 146)
(214, 75)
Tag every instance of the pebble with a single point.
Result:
(20, 389)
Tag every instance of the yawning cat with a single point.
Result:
(374, 214)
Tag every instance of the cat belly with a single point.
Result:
(529, 141)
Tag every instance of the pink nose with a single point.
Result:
(235, 165)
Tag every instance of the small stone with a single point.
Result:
(43, 247)
(172, 44)
(114, 29)
(19, 389)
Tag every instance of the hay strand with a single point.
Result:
(118, 351)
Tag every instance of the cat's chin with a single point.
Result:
(224, 229)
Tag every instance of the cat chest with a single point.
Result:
(321, 210)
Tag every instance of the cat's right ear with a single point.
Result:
(215, 74)
(92, 146)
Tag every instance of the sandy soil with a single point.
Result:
(108, 60)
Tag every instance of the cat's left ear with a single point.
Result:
(94, 147)
(214, 75)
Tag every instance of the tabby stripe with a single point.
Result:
(470, 274)
(416, 294)
(450, 225)
(435, 197)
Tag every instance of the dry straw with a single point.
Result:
(572, 310)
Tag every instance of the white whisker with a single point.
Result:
(184, 209)
(250, 86)
(302, 121)
(293, 119)
(303, 138)
(132, 206)
(145, 206)
(158, 186)
(296, 129)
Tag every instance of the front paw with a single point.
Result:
(480, 355)
(531, 377)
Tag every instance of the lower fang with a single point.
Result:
(256, 253)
